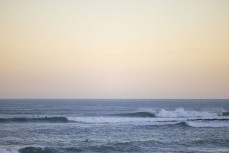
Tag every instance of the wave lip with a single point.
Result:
(43, 119)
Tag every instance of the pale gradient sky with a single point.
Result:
(114, 49)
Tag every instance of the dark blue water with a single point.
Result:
(68, 126)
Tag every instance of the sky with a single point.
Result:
(114, 49)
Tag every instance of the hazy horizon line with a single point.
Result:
(114, 98)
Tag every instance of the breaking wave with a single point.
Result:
(181, 113)
(179, 116)
(214, 122)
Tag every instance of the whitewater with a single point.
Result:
(68, 126)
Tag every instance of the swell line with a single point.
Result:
(42, 119)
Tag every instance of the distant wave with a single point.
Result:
(209, 119)
(43, 119)
(136, 114)
(127, 146)
(114, 147)
(48, 150)
(191, 118)
(177, 113)
(179, 116)
(194, 122)
(162, 115)
(41, 150)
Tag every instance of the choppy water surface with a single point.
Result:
(68, 126)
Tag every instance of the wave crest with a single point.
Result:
(136, 114)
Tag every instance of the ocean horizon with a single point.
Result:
(114, 125)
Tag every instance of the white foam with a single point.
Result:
(208, 124)
(4, 150)
(126, 120)
(108, 119)
(181, 113)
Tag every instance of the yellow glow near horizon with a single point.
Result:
(114, 49)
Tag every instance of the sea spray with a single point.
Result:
(180, 112)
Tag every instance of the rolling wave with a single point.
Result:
(207, 124)
(43, 119)
(41, 150)
(48, 150)
(126, 146)
(163, 117)
(136, 114)
(214, 122)
(225, 114)
(199, 124)
(177, 113)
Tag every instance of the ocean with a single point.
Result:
(70, 126)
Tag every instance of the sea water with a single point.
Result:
(69, 126)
